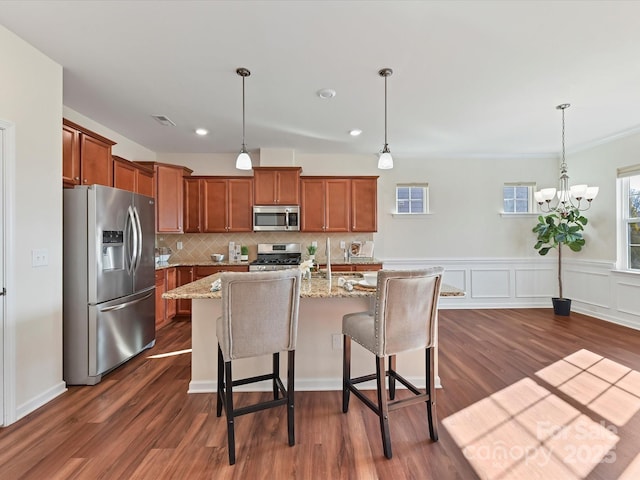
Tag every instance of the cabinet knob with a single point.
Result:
(85, 180)
(76, 178)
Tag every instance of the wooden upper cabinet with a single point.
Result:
(226, 204)
(325, 204)
(364, 204)
(132, 176)
(338, 204)
(169, 188)
(86, 156)
(70, 156)
(192, 210)
(276, 185)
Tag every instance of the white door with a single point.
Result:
(2, 387)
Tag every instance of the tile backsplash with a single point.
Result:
(198, 247)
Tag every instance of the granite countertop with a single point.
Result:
(317, 287)
(203, 263)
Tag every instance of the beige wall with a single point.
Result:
(31, 99)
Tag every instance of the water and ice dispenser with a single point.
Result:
(113, 250)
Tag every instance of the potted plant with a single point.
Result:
(311, 250)
(555, 230)
(244, 253)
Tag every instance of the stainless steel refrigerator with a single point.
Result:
(109, 280)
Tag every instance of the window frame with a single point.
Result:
(425, 196)
(624, 219)
(532, 206)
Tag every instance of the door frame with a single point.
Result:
(7, 317)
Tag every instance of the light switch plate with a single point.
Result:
(40, 257)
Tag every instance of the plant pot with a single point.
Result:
(561, 306)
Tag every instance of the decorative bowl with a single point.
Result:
(217, 257)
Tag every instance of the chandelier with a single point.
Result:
(565, 198)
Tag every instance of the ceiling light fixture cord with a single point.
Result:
(243, 162)
(568, 197)
(385, 161)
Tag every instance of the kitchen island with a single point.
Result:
(319, 345)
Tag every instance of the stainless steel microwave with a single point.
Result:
(275, 218)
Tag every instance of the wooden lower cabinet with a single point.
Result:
(160, 305)
(184, 275)
(165, 309)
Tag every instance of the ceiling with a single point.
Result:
(471, 78)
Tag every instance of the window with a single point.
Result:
(412, 199)
(518, 197)
(629, 218)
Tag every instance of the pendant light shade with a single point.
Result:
(243, 162)
(385, 161)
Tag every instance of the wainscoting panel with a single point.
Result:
(490, 283)
(588, 287)
(627, 298)
(535, 282)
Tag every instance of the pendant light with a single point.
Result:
(385, 161)
(243, 162)
(566, 197)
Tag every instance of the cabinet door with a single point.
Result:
(184, 275)
(273, 186)
(169, 199)
(192, 208)
(338, 196)
(70, 156)
(124, 174)
(170, 284)
(145, 182)
(288, 187)
(264, 184)
(364, 202)
(313, 205)
(214, 205)
(160, 304)
(96, 164)
(240, 205)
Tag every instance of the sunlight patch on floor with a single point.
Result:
(170, 354)
(525, 431)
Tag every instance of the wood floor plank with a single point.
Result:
(139, 422)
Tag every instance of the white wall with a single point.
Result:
(124, 147)
(31, 98)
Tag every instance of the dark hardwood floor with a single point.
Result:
(526, 395)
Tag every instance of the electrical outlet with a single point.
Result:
(343, 245)
(40, 257)
(179, 245)
(336, 341)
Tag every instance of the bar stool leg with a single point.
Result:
(431, 403)
(383, 408)
(392, 379)
(220, 382)
(276, 373)
(346, 372)
(291, 361)
(231, 442)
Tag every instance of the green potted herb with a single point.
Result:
(311, 250)
(244, 253)
(555, 230)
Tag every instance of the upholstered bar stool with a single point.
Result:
(405, 318)
(259, 317)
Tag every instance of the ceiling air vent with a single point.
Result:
(164, 120)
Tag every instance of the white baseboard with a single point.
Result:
(38, 401)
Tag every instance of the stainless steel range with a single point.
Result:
(276, 256)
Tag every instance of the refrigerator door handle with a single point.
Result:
(133, 249)
(127, 236)
(138, 243)
(127, 304)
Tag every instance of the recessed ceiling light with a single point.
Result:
(326, 93)
(355, 132)
(201, 131)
